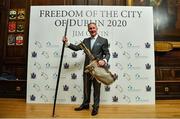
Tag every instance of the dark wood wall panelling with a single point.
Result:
(78, 2)
(47, 2)
(14, 57)
(3, 9)
(168, 74)
(2, 3)
(98, 2)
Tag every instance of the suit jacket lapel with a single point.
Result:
(89, 43)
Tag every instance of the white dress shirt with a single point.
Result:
(93, 40)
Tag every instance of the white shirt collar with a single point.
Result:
(95, 37)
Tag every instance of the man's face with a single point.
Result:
(92, 30)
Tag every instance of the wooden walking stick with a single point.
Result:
(59, 71)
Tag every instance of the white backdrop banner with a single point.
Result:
(129, 31)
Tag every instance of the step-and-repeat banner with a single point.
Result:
(129, 31)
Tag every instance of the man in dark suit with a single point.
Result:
(99, 48)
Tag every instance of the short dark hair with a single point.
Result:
(92, 23)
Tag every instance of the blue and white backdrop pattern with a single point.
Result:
(129, 31)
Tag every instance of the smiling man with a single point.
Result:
(99, 48)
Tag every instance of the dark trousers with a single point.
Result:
(87, 83)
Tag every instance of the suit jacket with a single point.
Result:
(100, 48)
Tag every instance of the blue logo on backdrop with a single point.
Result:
(138, 55)
(45, 54)
(140, 99)
(47, 87)
(131, 67)
(44, 98)
(73, 76)
(115, 99)
(66, 66)
(34, 54)
(49, 66)
(148, 66)
(119, 44)
(32, 97)
(115, 55)
(107, 88)
(132, 89)
(148, 88)
(119, 88)
(131, 45)
(127, 76)
(49, 44)
(55, 75)
(119, 66)
(38, 44)
(126, 98)
(44, 75)
(139, 77)
(73, 98)
(127, 55)
(147, 45)
(33, 75)
(36, 87)
(37, 65)
(65, 88)
(56, 54)
(74, 54)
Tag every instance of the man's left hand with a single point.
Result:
(101, 62)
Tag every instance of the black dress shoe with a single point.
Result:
(82, 107)
(94, 111)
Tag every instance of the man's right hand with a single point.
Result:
(65, 40)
